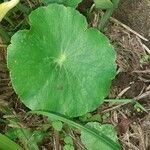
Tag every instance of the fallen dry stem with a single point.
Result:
(128, 28)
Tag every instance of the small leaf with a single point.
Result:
(103, 4)
(145, 58)
(139, 107)
(85, 117)
(11, 133)
(57, 125)
(68, 140)
(69, 143)
(92, 143)
(105, 116)
(71, 3)
(6, 6)
(7, 144)
(88, 117)
(68, 147)
(30, 138)
(26, 137)
(96, 117)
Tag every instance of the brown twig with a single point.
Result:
(57, 145)
(144, 95)
(128, 28)
(142, 71)
(123, 92)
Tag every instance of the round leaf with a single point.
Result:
(68, 140)
(57, 125)
(59, 64)
(68, 147)
(94, 143)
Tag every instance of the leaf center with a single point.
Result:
(61, 59)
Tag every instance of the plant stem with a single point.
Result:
(107, 15)
(56, 140)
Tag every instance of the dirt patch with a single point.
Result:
(135, 14)
(128, 46)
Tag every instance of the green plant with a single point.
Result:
(16, 130)
(6, 143)
(139, 108)
(57, 125)
(97, 135)
(109, 6)
(27, 138)
(62, 66)
(93, 143)
(55, 64)
(68, 143)
(144, 59)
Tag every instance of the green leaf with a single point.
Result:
(96, 117)
(11, 133)
(26, 137)
(88, 118)
(139, 107)
(145, 58)
(85, 117)
(69, 143)
(68, 147)
(7, 144)
(99, 136)
(68, 140)
(105, 116)
(59, 64)
(71, 3)
(57, 125)
(94, 143)
(103, 4)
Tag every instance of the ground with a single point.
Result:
(132, 80)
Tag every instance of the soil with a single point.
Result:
(135, 14)
(132, 80)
